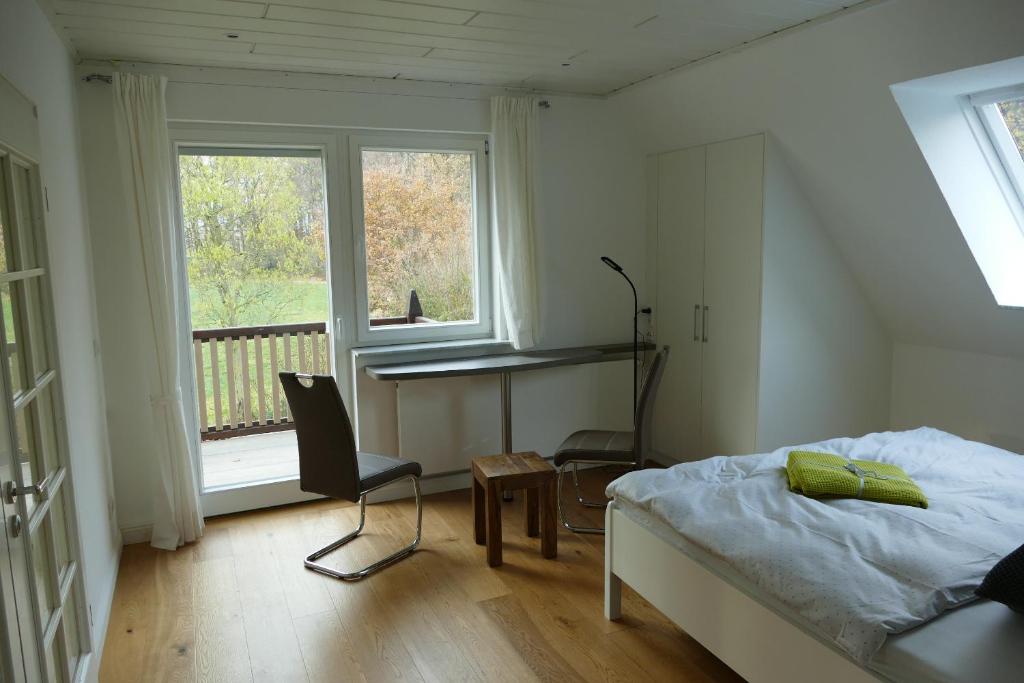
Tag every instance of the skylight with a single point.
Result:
(969, 125)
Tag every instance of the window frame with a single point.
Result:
(1002, 149)
(476, 145)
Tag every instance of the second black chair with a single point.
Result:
(603, 447)
(330, 465)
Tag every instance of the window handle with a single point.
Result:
(704, 323)
(696, 314)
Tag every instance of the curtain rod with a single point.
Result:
(543, 104)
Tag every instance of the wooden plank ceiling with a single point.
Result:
(573, 46)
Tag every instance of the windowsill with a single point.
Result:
(401, 353)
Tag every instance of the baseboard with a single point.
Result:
(136, 534)
(99, 630)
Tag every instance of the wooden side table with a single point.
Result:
(493, 474)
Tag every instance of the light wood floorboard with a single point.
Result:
(239, 606)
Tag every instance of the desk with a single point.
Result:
(503, 364)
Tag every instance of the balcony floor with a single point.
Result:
(249, 459)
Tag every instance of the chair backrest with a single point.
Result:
(645, 406)
(327, 445)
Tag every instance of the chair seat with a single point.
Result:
(596, 444)
(377, 470)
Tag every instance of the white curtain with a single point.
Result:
(514, 127)
(147, 166)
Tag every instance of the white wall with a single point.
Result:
(590, 204)
(825, 355)
(823, 92)
(976, 396)
(36, 62)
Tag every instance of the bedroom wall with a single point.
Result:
(590, 203)
(825, 356)
(823, 92)
(33, 58)
(973, 395)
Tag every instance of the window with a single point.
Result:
(1002, 114)
(968, 126)
(420, 211)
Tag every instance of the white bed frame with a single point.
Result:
(753, 640)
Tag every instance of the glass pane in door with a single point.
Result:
(72, 647)
(38, 351)
(60, 532)
(29, 457)
(6, 258)
(27, 212)
(10, 301)
(42, 561)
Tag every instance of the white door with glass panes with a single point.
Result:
(45, 626)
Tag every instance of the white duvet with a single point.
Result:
(853, 570)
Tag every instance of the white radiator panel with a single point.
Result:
(443, 423)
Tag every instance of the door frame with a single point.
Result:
(338, 236)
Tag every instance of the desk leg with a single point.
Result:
(506, 420)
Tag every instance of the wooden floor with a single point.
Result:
(239, 606)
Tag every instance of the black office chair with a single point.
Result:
(602, 447)
(330, 465)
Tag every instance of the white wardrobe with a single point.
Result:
(771, 342)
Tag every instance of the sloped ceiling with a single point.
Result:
(573, 46)
(824, 95)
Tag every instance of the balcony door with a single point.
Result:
(44, 628)
(254, 224)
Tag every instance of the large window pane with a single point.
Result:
(418, 216)
(256, 246)
(254, 238)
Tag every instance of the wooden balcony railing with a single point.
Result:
(236, 371)
(236, 374)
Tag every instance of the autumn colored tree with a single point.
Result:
(418, 213)
(1013, 114)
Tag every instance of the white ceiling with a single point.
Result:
(577, 46)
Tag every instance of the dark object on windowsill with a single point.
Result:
(1005, 583)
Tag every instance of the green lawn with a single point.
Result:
(289, 302)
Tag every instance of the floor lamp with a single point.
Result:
(636, 312)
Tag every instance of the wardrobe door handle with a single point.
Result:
(696, 314)
(704, 324)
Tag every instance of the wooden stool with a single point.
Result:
(493, 474)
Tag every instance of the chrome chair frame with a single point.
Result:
(579, 496)
(311, 560)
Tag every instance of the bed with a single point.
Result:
(785, 588)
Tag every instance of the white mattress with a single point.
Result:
(981, 641)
